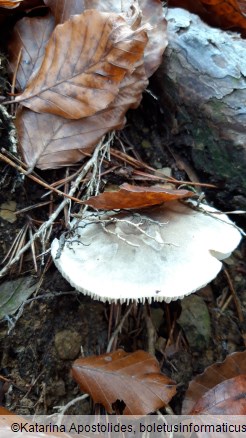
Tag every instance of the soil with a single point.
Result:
(39, 344)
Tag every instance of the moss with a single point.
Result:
(217, 107)
(217, 158)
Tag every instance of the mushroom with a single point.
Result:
(160, 253)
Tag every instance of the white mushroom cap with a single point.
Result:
(169, 252)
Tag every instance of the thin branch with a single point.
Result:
(158, 176)
(63, 409)
(214, 214)
(37, 180)
(32, 207)
(119, 328)
(235, 297)
(15, 73)
(104, 222)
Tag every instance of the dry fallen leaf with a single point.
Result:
(242, 6)
(129, 196)
(226, 398)
(152, 13)
(49, 141)
(63, 9)
(10, 4)
(29, 39)
(215, 375)
(82, 69)
(134, 378)
(64, 142)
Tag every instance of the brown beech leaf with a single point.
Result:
(30, 37)
(49, 141)
(222, 13)
(226, 398)
(242, 5)
(216, 374)
(135, 197)
(85, 61)
(152, 13)
(11, 4)
(134, 378)
(63, 9)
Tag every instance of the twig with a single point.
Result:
(45, 226)
(15, 74)
(32, 207)
(158, 176)
(235, 297)
(119, 328)
(226, 304)
(15, 243)
(93, 185)
(212, 214)
(32, 385)
(105, 153)
(37, 180)
(230, 212)
(21, 163)
(170, 337)
(63, 409)
(62, 182)
(104, 222)
(236, 301)
(33, 250)
(130, 160)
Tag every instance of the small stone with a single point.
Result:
(195, 322)
(7, 210)
(166, 171)
(67, 343)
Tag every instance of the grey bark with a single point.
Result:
(202, 84)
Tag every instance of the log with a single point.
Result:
(202, 89)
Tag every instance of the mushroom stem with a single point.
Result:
(151, 331)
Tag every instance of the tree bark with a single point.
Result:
(202, 88)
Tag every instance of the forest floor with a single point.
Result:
(39, 343)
